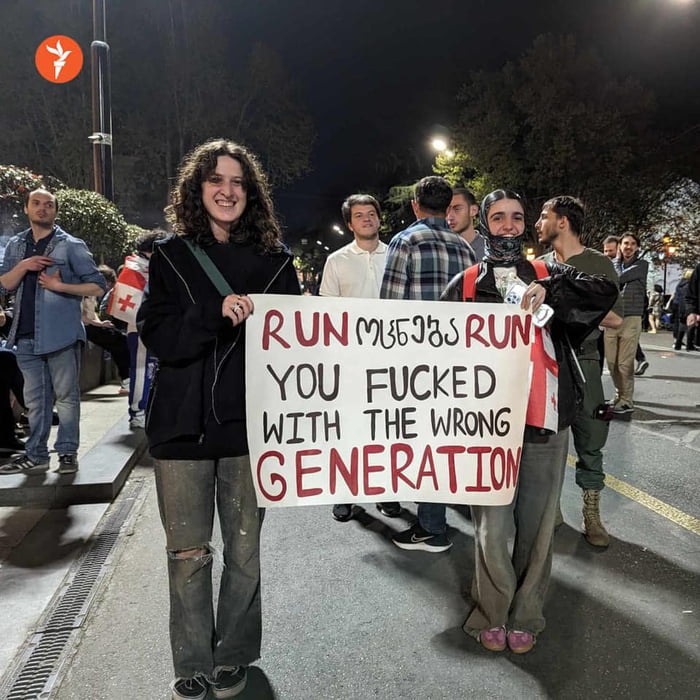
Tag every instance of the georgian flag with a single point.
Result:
(542, 407)
(127, 294)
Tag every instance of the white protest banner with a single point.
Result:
(365, 400)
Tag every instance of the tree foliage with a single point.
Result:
(557, 121)
(178, 79)
(15, 184)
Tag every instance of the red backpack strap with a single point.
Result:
(541, 269)
(469, 283)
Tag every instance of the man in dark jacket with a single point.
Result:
(692, 301)
(621, 343)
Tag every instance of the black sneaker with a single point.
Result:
(11, 445)
(642, 367)
(229, 682)
(195, 688)
(418, 538)
(389, 510)
(24, 465)
(67, 464)
(342, 512)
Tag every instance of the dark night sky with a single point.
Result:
(378, 76)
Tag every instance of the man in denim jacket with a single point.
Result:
(50, 272)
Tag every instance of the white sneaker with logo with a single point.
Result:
(138, 421)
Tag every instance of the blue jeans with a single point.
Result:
(142, 369)
(55, 374)
(432, 518)
(186, 491)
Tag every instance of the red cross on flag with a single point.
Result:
(128, 291)
(542, 408)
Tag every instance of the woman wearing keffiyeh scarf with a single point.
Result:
(508, 591)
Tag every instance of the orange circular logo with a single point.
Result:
(58, 59)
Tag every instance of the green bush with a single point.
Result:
(88, 215)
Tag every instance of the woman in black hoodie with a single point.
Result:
(196, 421)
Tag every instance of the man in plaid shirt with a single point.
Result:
(420, 261)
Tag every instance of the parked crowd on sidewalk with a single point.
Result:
(174, 321)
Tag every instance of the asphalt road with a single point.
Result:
(349, 616)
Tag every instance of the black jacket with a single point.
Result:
(692, 300)
(579, 301)
(200, 354)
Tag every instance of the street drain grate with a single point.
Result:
(38, 667)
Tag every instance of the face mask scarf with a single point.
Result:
(499, 250)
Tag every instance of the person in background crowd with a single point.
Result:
(420, 261)
(355, 270)
(124, 305)
(621, 343)
(508, 591)
(225, 226)
(692, 301)
(11, 382)
(105, 335)
(656, 307)
(679, 314)
(460, 218)
(611, 248)
(50, 272)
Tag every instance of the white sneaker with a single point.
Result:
(138, 422)
(123, 388)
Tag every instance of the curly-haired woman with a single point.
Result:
(195, 420)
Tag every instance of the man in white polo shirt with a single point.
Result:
(356, 270)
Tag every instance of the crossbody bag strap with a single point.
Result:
(211, 271)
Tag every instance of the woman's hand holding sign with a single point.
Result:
(237, 307)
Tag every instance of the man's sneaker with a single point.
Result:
(418, 538)
(620, 408)
(342, 512)
(229, 682)
(67, 464)
(195, 688)
(123, 388)
(389, 510)
(642, 367)
(24, 465)
(138, 421)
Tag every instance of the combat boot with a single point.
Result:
(593, 530)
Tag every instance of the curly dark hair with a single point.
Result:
(188, 217)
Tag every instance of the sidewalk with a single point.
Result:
(107, 451)
(37, 543)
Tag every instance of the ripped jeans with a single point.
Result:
(186, 492)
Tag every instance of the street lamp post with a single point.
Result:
(101, 104)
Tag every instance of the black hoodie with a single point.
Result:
(200, 382)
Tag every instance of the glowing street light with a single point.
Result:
(339, 230)
(439, 144)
